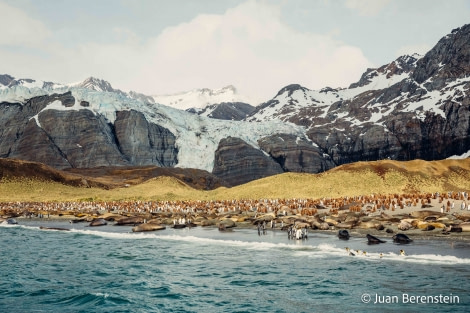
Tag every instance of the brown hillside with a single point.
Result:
(106, 177)
(28, 181)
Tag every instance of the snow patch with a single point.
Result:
(459, 157)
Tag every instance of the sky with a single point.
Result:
(161, 47)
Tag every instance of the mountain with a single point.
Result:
(413, 108)
(200, 98)
(95, 84)
(7, 81)
(234, 111)
(416, 107)
(76, 127)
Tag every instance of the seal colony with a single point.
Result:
(437, 213)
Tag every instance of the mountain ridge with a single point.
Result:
(412, 108)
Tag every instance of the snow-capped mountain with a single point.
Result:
(294, 101)
(95, 84)
(7, 81)
(413, 107)
(232, 111)
(75, 126)
(200, 98)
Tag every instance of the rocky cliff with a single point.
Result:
(80, 138)
(295, 154)
(237, 162)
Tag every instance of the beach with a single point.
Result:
(436, 215)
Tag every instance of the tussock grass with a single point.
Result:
(384, 177)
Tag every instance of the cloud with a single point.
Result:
(19, 29)
(367, 7)
(247, 46)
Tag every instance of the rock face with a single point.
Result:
(144, 143)
(234, 111)
(296, 155)
(448, 60)
(84, 139)
(237, 162)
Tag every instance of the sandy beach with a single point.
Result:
(418, 215)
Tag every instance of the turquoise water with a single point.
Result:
(109, 269)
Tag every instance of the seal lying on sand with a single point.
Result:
(343, 234)
(147, 227)
(98, 222)
(10, 221)
(401, 238)
(53, 228)
(373, 240)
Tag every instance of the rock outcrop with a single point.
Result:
(233, 111)
(144, 143)
(237, 162)
(295, 154)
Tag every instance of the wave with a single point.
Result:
(332, 250)
(298, 248)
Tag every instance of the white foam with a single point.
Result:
(298, 248)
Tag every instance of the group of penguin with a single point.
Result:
(364, 253)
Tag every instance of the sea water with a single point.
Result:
(111, 269)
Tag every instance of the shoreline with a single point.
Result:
(420, 216)
(414, 234)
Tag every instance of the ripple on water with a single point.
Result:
(87, 299)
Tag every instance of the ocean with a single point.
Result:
(111, 269)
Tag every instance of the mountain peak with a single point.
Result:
(448, 59)
(94, 83)
(200, 98)
(291, 88)
(6, 79)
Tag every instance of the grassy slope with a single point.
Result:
(347, 180)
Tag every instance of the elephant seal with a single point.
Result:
(428, 227)
(133, 220)
(10, 221)
(343, 234)
(98, 222)
(373, 240)
(401, 238)
(54, 228)
(147, 227)
(77, 220)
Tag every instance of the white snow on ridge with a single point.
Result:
(378, 82)
(321, 98)
(459, 157)
(432, 100)
(200, 98)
